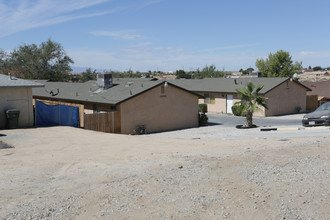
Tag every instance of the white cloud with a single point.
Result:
(227, 47)
(23, 14)
(148, 57)
(126, 34)
(20, 15)
(143, 44)
(306, 53)
(313, 55)
(313, 58)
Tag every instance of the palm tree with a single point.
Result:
(250, 102)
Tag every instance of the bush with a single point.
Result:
(236, 110)
(202, 108)
(202, 119)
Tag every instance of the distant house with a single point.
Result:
(284, 96)
(314, 76)
(16, 93)
(158, 105)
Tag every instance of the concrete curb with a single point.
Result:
(315, 128)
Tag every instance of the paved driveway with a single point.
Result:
(278, 121)
(224, 127)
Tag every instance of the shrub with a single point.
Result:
(236, 110)
(202, 108)
(202, 119)
(298, 109)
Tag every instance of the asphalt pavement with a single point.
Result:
(225, 120)
(222, 126)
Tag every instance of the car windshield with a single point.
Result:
(325, 106)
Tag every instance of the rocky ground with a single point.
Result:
(68, 173)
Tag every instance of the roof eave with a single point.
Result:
(30, 86)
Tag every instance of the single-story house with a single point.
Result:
(158, 105)
(321, 89)
(16, 93)
(284, 96)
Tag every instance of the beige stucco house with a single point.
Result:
(284, 96)
(17, 94)
(158, 105)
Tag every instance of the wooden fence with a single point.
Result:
(105, 122)
(311, 102)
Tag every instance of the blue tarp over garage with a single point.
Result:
(56, 115)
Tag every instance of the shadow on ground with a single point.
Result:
(4, 145)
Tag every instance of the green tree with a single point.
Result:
(247, 71)
(88, 74)
(208, 72)
(46, 61)
(278, 65)
(317, 68)
(125, 74)
(4, 62)
(181, 74)
(250, 102)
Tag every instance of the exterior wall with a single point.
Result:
(174, 109)
(220, 105)
(102, 108)
(285, 99)
(17, 98)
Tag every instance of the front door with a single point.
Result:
(229, 104)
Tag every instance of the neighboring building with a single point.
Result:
(321, 89)
(284, 96)
(17, 94)
(159, 105)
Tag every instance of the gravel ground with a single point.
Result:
(68, 173)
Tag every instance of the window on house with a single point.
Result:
(209, 98)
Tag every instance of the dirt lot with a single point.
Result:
(68, 173)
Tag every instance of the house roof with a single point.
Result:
(319, 88)
(229, 85)
(123, 90)
(12, 82)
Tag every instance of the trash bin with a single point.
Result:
(12, 118)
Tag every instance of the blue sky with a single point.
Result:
(167, 35)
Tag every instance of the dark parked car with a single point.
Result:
(321, 116)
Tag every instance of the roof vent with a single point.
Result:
(128, 84)
(104, 81)
(11, 77)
